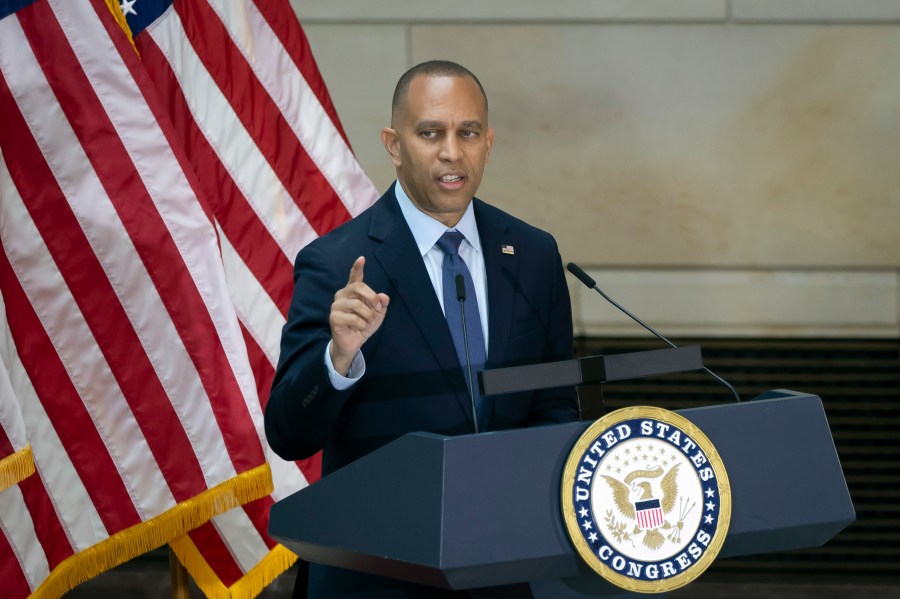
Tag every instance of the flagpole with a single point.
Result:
(179, 577)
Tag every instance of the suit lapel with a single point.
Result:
(501, 268)
(399, 257)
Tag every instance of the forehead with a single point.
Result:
(445, 98)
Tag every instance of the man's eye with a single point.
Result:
(468, 133)
(428, 134)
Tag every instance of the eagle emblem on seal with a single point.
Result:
(639, 497)
(646, 499)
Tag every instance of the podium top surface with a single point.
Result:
(590, 369)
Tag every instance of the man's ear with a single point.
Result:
(391, 140)
(490, 143)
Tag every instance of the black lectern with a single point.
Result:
(483, 510)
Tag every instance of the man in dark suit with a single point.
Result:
(371, 350)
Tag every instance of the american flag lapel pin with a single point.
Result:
(508, 249)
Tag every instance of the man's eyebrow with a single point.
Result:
(422, 125)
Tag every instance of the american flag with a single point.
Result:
(138, 194)
(253, 113)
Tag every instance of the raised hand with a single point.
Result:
(356, 314)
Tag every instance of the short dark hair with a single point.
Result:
(432, 68)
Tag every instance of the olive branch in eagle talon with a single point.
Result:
(626, 494)
(618, 530)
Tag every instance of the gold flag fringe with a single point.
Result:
(16, 467)
(116, 10)
(146, 536)
(276, 562)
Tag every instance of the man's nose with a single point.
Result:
(449, 148)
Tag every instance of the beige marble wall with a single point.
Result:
(654, 136)
(742, 303)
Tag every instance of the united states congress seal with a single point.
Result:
(645, 499)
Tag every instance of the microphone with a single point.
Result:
(591, 284)
(461, 298)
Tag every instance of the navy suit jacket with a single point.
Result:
(413, 379)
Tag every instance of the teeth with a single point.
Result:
(450, 178)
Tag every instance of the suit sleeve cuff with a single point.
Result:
(356, 371)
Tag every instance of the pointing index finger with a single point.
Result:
(356, 271)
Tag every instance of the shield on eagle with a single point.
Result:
(649, 514)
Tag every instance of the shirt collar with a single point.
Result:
(427, 230)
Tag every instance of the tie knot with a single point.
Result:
(449, 242)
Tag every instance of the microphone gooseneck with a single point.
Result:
(461, 298)
(591, 284)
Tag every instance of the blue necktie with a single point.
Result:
(453, 265)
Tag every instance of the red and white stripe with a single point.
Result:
(131, 372)
(650, 518)
(14, 448)
(250, 106)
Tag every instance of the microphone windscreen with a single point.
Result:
(581, 275)
(460, 288)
